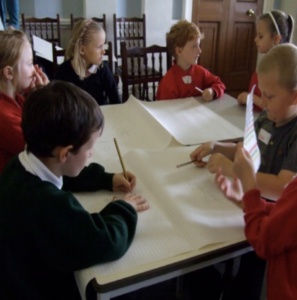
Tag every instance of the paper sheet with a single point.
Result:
(44, 49)
(250, 140)
(187, 210)
(191, 122)
(133, 127)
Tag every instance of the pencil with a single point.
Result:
(186, 163)
(197, 88)
(120, 157)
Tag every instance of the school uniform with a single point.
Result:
(179, 83)
(100, 84)
(46, 234)
(11, 135)
(278, 148)
(271, 229)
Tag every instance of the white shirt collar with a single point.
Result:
(34, 166)
(93, 69)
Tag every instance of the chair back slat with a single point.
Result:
(46, 28)
(130, 30)
(102, 21)
(142, 70)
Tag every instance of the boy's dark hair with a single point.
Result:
(59, 114)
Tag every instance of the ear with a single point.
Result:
(81, 50)
(277, 38)
(8, 72)
(63, 153)
(294, 97)
(178, 50)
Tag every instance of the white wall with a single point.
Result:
(42, 8)
(107, 7)
(290, 8)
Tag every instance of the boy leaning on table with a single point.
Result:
(45, 233)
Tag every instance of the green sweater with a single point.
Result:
(45, 234)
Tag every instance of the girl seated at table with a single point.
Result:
(84, 65)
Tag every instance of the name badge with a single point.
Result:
(264, 136)
(187, 79)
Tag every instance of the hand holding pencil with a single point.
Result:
(126, 181)
(207, 94)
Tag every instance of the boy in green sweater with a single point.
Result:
(45, 234)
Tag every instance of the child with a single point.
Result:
(17, 75)
(84, 64)
(270, 227)
(273, 28)
(276, 130)
(185, 78)
(45, 233)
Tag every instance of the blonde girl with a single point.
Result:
(84, 64)
(273, 28)
(17, 76)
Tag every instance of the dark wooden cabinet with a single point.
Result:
(228, 47)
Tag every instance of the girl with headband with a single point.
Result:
(273, 28)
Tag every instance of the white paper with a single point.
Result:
(191, 122)
(186, 212)
(44, 49)
(250, 140)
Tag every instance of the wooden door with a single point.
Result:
(228, 47)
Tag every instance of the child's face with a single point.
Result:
(93, 51)
(76, 162)
(189, 54)
(25, 68)
(279, 102)
(264, 39)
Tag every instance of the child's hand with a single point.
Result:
(208, 94)
(41, 78)
(231, 190)
(242, 98)
(200, 152)
(137, 201)
(121, 184)
(220, 161)
(244, 168)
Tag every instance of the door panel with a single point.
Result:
(228, 48)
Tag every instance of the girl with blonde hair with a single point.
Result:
(18, 75)
(84, 64)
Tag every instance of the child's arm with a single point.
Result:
(121, 184)
(244, 177)
(242, 98)
(167, 88)
(138, 202)
(91, 178)
(270, 227)
(110, 85)
(212, 86)
(222, 155)
(272, 186)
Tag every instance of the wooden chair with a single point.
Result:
(109, 55)
(142, 70)
(129, 30)
(47, 28)
(102, 20)
(58, 54)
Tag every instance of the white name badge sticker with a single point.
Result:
(187, 79)
(264, 136)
